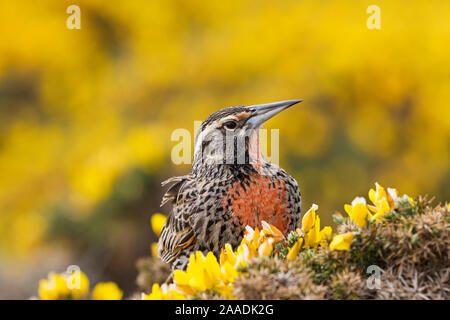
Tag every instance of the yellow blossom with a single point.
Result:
(229, 273)
(317, 228)
(157, 221)
(392, 195)
(107, 291)
(310, 238)
(165, 292)
(383, 201)
(223, 257)
(227, 255)
(53, 288)
(154, 249)
(245, 252)
(265, 249)
(315, 236)
(255, 243)
(63, 286)
(271, 231)
(325, 233)
(78, 284)
(309, 218)
(358, 211)
(252, 237)
(342, 241)
(204, 273)
(377, 195)
(293, 252)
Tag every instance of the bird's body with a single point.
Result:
(215, 202)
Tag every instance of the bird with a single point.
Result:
(231, 185)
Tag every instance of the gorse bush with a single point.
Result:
(393, 248)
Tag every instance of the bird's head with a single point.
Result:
(231, 135)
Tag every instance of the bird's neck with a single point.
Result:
(224, 171)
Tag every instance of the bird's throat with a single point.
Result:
(254, 151)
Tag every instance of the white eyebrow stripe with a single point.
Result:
(228, 118)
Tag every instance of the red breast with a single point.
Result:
(264, 199)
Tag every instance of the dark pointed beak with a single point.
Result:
(263, 112)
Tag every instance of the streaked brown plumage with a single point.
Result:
(231, 185)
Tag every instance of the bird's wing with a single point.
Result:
(172, 192)
(177, 234)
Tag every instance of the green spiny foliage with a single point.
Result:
(292, 238)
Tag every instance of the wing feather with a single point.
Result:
(177, 233)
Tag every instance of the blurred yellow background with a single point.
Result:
(86, 115)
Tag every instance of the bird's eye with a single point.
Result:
(230, 125)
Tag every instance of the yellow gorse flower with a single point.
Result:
(311, 232)
(62, 286)
(381, 198)
(293, 252)
(229, 273)
(342, 241)
(255, 243)
(157, 222)
(154, 249)
(309, 218)
(271, 231)
(78, 284)
(107, 291)
(165, 292)
(325, 233)
(53, 288)
(358, 211)
(227, 255)
(383, 201)
(265, 249)
(205, 273)
(314, 236)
